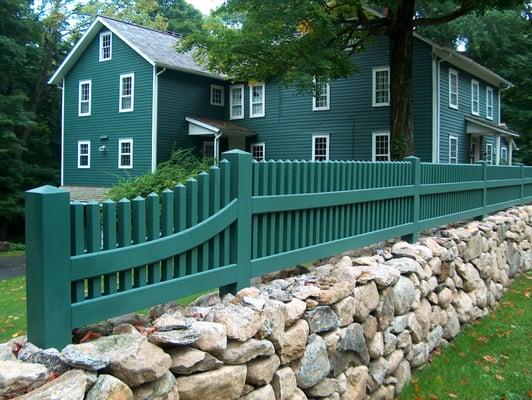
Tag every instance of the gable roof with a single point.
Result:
(157, 48)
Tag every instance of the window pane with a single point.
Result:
(84, 108)
(321, 93)
(126, 86)
(382, 148)
(320, 148)
(382, 87)
(126, 103)
(85, 92)
(258, 152)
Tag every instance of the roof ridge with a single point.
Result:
(170, 33)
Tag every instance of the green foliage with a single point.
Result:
(488, 360)
(182, 165)
(12, 308)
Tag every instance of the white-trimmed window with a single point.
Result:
(84, 154)
(475, 99)
(489, 102)
(381, 86)
(504, 155)
(381, 146)
(320, 147)
(453, 88)
(208, 148)
(256, 100)
(258, 151)
(85, 94)
(217, 95)
(236, 102)
(127, 92)
(125, 153)
(453, 150)
(489, 153)
(106, 46)
(322, 95)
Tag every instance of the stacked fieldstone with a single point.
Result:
(352, 329)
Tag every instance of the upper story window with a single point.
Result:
(453, 88)
(381, 146)
(381, 86)
(475, 101)
(217, 95)
(258, 151)
(489, 102)
(84, 154)
(453, 150)
(127, 92)
(84, 106)
(236, 102)
(489, 153)
(256, 100)
(125, 153)
(322, 94)
(106, 46)
(320, 147)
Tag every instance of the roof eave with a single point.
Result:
(190, 71)
(495, 128)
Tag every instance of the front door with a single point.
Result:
(475, 149)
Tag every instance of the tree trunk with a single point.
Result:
(401, 40)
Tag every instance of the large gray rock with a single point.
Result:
(294, 311)
(385, 310)
(263, 393)
(377, 372)
(464, 306)
(452, 327)
(357, 378)
(403, 295)
(314, 366)
(108, 387)
(376, 346)
(322, 319)
(172, 321)
(229, 380)
(17, 377)
(473, 248)
(470, 276)
(404, 265)
(6, 352)
(335, 293)
(382, 274)
(188, 360)
(345, 309)
(261, 370)
(404, 249)
(212, 336)
(284, 383)
(242, 352)
(403, 375)
(50, 358)
(241, 323)
(420, 355)
(131, 359)
(352, 340)
(294, 341)
(71, 385)
(367, 298)
(275, 316)
(164, 388)
(182, 337)
(329, 386)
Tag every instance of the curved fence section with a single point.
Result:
(88, 262)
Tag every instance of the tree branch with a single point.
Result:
(464, 9)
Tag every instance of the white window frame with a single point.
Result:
(257, 145)
(314, 137)
(241, 88)
(221, 103)
(88, 143)
(451, 157)
(251, 103)
(374, 145)
(475, 89)
(328, 105)
(120, 154)
(453, 72)
(89, 101)
(120, 95)
(207, 143)
(374, 90)
(504, 159)
(489, 95)
(489, 154)
(102, 35)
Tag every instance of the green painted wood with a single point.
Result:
(214, 203)
(180, 223)
(225, 180)
(167, 229)
(416, 181)
(139, 236)
(48, 287)
(110, 281)
(153, 232)
(203, 213)
(192, 219)
(125, 277)
(94, 243)
(77, 235)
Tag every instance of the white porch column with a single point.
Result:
(510, 150)
(497, 150)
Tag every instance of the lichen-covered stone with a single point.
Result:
(314, 366)
(17, 377)
(229, 380)
(260, 370)
(188, 360)
(241, 323)
(164, 388)
(294, 341)
(71, 385)
(242, 352)
(108, 387)
(284, 383)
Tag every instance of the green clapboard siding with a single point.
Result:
(105, 118)
(289, 123)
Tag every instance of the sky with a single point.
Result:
(205, 6)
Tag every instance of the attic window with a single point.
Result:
(106, 42)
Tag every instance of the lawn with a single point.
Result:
(489, 360)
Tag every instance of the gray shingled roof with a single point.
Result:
(159, 47)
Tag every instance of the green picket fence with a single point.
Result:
(241, 219)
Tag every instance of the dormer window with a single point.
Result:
(106, 44)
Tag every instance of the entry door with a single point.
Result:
(475, 149)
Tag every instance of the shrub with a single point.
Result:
(181, 165)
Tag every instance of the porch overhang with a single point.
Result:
(201, 126)
(480, 127)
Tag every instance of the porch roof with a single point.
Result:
(476, 125)
(209, 126)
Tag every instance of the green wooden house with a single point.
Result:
(128, 98)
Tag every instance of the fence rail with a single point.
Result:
(88, 262)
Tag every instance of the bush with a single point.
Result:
(183, 164)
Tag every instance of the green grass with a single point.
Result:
(491, 359)
(12, 308)
(15, 249)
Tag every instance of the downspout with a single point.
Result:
(216, 147)
(154, 116)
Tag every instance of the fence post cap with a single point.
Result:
(47, 189)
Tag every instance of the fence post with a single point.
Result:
(48, 267)
(484, 166)
(522, 176)
(240, 164)
(416, 181)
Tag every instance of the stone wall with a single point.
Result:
(351, 329)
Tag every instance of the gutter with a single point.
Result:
(154, 116)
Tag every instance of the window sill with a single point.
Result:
(322, 109)
(381, 104)
(232, 118)
(126, 111)
(257, 116)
